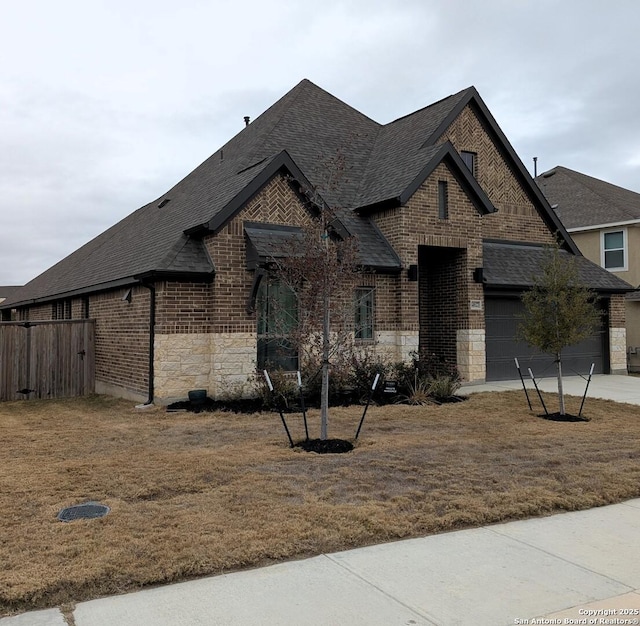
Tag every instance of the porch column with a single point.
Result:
(471, 357)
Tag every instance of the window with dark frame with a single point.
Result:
(469, 159)
(364, 313)
(277, 316)
(443, 201)
(61, 310)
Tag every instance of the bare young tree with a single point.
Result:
(321, 269)
(560, 311)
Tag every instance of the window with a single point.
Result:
(614, 245)
(277, 313)
(364, 313)
(61, 310)
(443, 202)
(469, 159)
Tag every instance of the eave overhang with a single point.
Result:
(129, 281)
(582, 229)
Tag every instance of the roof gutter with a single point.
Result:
(579, 229)
(489, 286)
(114, 284)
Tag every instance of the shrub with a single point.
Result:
(339, 383)
(364, 368)
(443, 387)
(417, 392)
(406, 375)
(432, 366)
(285, 390)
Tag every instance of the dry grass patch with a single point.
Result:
(209, 493)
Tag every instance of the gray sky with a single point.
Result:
(106, 104)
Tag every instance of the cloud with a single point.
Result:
(107, 104)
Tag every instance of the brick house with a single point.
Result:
(604, 221)
(450, 225)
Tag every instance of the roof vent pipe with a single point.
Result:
(247, 119)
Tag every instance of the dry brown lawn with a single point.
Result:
(210, 493)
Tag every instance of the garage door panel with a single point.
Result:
(503, 316)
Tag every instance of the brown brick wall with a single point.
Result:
(516, 217)
(122, 334)
(276, 204)
(386, 302)
(443, 292)
(122, 338)
(78, 308)
(36, 312)
(183, 307)
(416, 225)
(617, 311)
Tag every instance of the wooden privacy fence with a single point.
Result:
(48, 359)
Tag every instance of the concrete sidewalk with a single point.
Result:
(558, 567)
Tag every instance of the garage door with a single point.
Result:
(502, 317)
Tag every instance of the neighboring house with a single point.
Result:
(8, 292)
(451, 229)
(604, 221)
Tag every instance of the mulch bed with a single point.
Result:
(326, 446)
(567, 417)
(209, 405)
(255, 405)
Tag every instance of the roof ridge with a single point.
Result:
(365, 169)
(310, 83)
(297, 92)
(453, 95)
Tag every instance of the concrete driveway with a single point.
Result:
(618, 388)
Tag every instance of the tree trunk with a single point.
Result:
(560, 388)
(324, 394)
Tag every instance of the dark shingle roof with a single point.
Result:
(584, 201)
(270, 241)
(373, 248)
(402, 149)
(8, 291)
(296, 135)
(307, 124)
(512, 265)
